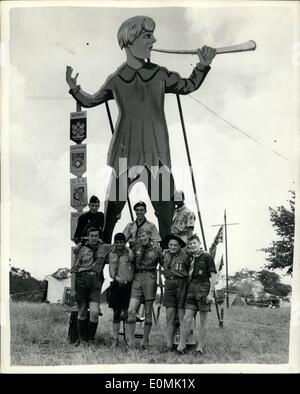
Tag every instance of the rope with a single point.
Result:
(239, 130)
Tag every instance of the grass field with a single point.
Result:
(39, 338)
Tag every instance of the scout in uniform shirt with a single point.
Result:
(202, 279)
(86, 283)
(132, 229)
(176, 271)
(144, 286)
(141, 134)
(184, 219)
(92, 218)
(121, 270)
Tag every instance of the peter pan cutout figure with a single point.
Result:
(141, 138)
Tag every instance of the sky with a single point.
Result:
(255, 91)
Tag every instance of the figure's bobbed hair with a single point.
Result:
(132, 28)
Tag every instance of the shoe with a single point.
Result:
(144, 346)
(115, 343)
(198, 352)
(181, 352)
(166, 349)
(139, 319)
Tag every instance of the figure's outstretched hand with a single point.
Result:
(206, 55)
(71, 81)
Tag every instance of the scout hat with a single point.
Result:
(173, 236)
(139, 204)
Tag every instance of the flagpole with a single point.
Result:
(226, 259)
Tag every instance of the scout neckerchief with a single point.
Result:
(191, 270)
(139, 226)
(94, 249)
(119, 254)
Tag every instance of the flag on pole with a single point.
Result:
(216, 249)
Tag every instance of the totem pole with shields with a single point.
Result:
(78, 198)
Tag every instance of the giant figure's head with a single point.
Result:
(136, 35)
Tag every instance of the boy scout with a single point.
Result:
(92, 218)
(144, 286)
(86, 283)
(132, 229)
(202, 278)
(183, 221)
(176, 271)
(121, 270)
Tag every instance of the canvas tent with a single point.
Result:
(61, 279)
(56, 285)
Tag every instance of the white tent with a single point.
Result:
(62, 278)
(56, 288)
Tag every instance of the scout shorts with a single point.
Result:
(175, 292)
(119, 295)
(196, 296)
(144, 286)
(88, 287)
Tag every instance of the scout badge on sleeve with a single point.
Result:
(78, 159)
(78, 126)
(79, 193)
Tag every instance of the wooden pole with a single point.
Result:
(191, 169)
(195, 192)
(78, 107)
(226, 259)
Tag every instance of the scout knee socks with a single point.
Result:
(116, 329)
(82, 329)
(92, 328)
(130, 328)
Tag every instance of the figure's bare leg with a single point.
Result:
(170, 315)
(147, 324)
(186, 326)
(161, 189)
(131, 321)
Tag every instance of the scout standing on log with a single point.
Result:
(141, 134)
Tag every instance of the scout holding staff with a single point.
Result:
(176, 271)
(202, 278)
(121, 270)
(86, 283)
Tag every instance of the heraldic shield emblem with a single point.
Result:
(78, 193)
(78, 159)
(78, 126)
